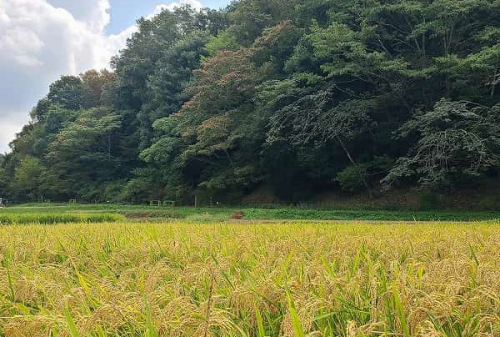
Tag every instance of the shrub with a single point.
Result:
(351, 178)
(429, 201)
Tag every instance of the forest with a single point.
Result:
(297, 96)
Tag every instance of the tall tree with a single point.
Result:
(83, 155)
(300, 96)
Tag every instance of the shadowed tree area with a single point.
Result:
(297, 96)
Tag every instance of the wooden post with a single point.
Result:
(195, 201)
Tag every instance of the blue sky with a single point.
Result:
(42, 40)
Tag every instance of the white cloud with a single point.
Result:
(9, 128)
(41, 40)
(20, 45)
(39, 43)
(94, 13)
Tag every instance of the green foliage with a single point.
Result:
(455, 140)
(221, 42)
(83, 155)
(67, 92)
(32, 213)
(301, 96)
(27, 178)
(351, 178)
(3, 177)
(429, 201)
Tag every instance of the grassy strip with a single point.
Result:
(286, 213)
(223, 214)
(55, 218)
(305, 214)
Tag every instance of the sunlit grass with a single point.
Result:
(49, 218)
(300, 279)
(216, 214)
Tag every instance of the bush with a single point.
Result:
(351, 178)
(489, 203)
(429, 201)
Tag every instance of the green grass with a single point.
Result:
(310, 214)
(221, 214)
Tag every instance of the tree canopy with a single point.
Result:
(299, 96)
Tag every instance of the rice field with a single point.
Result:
(291, 279)
(51, 218)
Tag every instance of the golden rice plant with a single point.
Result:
(249, 279)
(50, 218)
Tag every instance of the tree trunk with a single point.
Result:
(494, 83)
(109, 147)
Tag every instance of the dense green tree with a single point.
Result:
(94, 84)
(27, 178)
(173, 73)
(205, 132)
(68, 92)
(158, 42)
(300, 96)
(209, 141)
(454, 141)
(83, 154)
(3, 178)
